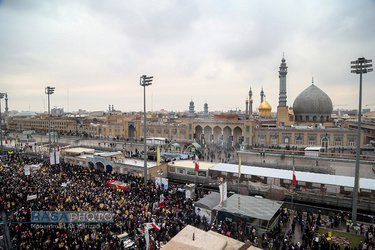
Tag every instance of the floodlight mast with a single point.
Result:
(49, 91)
(360, 66)
(145, 81)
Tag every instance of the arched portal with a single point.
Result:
(237, 135)
(109, 168)
(208, 134)
(131, 131)
(91, 165)
(198, 133)
(227, 134)
(99, 166)
(217, 134)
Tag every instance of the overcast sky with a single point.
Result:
(95, 51)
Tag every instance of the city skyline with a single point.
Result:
(94, 53)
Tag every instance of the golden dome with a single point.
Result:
(265, 106)
(265, 109)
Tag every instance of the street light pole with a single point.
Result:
(145, 81)
(49, 91)
(1, 125)
(360, 66)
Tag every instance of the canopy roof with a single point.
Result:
(194, 145)
(242, 205)
(336, 180)
(209, 201)
(175, 145)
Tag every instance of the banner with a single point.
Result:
(158, 156)
(223, 192)
(52, 158)
(27, 170)
(161, 181)
(31, 197)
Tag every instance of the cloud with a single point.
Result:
(205, 50)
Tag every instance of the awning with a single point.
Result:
(195, 146)
(174, 145)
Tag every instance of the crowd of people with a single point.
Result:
(66, 187)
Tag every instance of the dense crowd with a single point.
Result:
(66, 187)
(86, 190)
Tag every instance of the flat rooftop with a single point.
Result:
(189, 164)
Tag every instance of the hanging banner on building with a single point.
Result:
(223, 192)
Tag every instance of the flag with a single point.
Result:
(294, 177)
(196, 161)
(158, 156)
(6, 140)
(239, 166)
(154, 225)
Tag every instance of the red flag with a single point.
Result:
(294, 177)
(196, 161)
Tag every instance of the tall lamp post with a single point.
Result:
(49, 91)
(145, 81)
(360, 66)
(1, 125)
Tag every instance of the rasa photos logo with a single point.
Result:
(71, 217)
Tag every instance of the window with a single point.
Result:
(189, 126)
(338, 142)
(274, 140)
(312, 141)
(247, 129)
(189, 136)
(181, 171)
(325, 142)
(299, 140)
(286, 140)
(262, 139)
(351, 142)
(191, 172)
(247, 140)
(172, 169)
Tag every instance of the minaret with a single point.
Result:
(247, 106)
(284, 119)
(191, 109)
(261, 95)
(109, 108)
(282, 87)
(6, 103)
(205, 111)
(251, 102)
